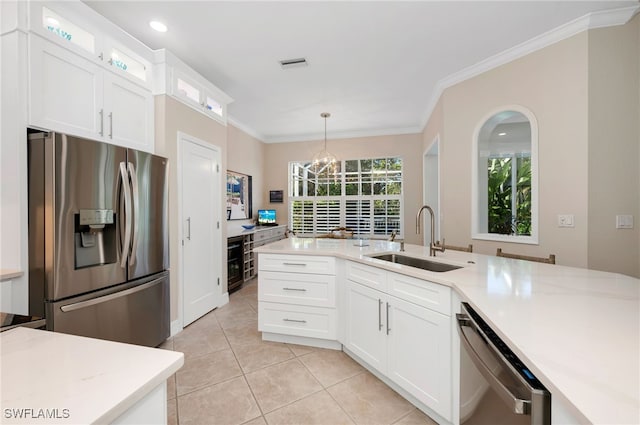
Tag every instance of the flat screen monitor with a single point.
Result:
(267, 217)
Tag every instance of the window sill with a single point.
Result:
(529, 240)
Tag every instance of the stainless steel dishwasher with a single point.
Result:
(495, 386)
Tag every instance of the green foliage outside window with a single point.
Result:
(501, 204)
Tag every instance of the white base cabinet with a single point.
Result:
(297, 297)
(419, 353)
(405, 341)
(366, 320)
(399, 326)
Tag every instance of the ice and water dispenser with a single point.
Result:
(95, 238)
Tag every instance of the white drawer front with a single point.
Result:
(269, 233)
(294, 288)
(262, 234)
(427, 294)
(288, 319)
(367, 275)
(297, 264)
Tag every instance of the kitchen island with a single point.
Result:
(49, 377)
(578, 330)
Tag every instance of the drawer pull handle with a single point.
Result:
(293, 320)
(294, 264)
(295, 289)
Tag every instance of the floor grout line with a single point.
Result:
(228, 330)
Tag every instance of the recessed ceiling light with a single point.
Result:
(158, 26)
(502, 134)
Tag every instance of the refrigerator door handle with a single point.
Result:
(105, 298)
(127, 214)
(136, 211)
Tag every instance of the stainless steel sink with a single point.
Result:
(420, 263)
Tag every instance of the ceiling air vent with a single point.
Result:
(293, 63)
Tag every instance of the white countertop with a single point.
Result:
(6, 274)
(238, 230)
(95, 380)
(578, 330)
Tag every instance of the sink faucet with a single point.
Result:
(392, 238)
(433, 246)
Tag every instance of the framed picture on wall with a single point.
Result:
(238, 196)
(276, 196)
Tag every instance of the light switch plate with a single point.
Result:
(624, 221)
(565, 220)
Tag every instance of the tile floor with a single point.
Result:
(231, 376)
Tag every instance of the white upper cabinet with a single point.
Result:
(178, 80)
(84, 81)
(197, 95)
(73, 30)
(65, 90)
(129, 114)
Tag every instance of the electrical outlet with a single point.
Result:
(624, 221)
(565, 220)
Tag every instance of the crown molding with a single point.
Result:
(334, 135)
(601, 19)
(240, 126)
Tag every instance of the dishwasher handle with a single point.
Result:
(518, 405)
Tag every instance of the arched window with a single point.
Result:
(505, 177)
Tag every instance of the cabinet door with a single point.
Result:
(366, 325)
(419, 353)
(128, 113)
(65, 90)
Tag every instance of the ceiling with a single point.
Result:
(374, 66)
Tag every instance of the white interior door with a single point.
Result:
(201, 235)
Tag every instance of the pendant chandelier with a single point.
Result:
(324, 161)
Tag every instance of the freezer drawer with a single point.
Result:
(135, 313)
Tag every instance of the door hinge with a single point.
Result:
(218, 168)
(218, 281)
(218, 223)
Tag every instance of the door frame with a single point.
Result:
(217, 241)
(432, 150)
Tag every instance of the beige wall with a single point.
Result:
(585, 94)
(172, 116)
(278, 156)
(246, 155)
(552, 83)
(614, 147)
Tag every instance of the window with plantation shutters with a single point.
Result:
(364, 195)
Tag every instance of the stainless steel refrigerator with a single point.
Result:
(98, 239)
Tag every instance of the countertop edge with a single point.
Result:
(143, 391)
(8, 274)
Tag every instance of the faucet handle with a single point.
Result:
(438, 246)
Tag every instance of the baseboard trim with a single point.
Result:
(176, 327)
(302, 340)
